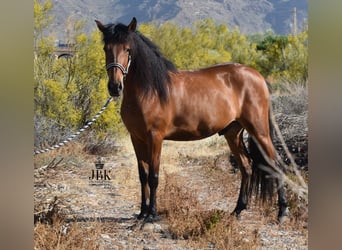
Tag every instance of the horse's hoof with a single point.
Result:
(152, 218)
(236, 215)
(282, 219)
(142, 216)
(283, 215)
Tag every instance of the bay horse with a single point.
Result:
(161, 102)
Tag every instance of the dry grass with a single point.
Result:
(52, 228)
(188, 219)
(298, 206)
(206, 227)
(290, 110)
(62, 235)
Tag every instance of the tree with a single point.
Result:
(284, 57)
(69, 91)
(272, 60)
(43, 48)
(297, 58)
(188, 48)
(41, 18)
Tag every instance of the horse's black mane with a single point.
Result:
(150, 66)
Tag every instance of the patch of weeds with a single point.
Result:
(188, 220)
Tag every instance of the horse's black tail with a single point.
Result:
(262, 182)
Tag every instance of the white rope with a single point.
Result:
(72, 137)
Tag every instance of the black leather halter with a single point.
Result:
(120, 66)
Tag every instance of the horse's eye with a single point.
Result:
(128, 50)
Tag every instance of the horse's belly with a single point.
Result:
(192, 131)
(186, 136)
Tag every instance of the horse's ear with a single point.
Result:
(133, 25)
(100, 25)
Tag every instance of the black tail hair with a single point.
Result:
(262, 182)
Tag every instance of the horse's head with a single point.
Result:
(117, 48)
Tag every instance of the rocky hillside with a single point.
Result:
(252, 16)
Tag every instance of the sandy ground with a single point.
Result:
(115, 202)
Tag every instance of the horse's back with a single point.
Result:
(243, 79)
(231, 79)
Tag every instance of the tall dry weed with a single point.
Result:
(64, 236)
(187, 219)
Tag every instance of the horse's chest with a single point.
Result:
(135, 118)
(140, 119)
(132, 116)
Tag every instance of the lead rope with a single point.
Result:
(72, 137)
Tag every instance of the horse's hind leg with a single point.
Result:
(264, 154)
(234, 137)
(282, 201)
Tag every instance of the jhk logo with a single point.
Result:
(99, 174)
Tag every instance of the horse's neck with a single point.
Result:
(134, 92)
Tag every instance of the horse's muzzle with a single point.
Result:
(115, 89)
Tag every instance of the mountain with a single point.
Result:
(251, 16)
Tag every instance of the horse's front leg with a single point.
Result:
(141, 152)
(145, 195)
(155, 145)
